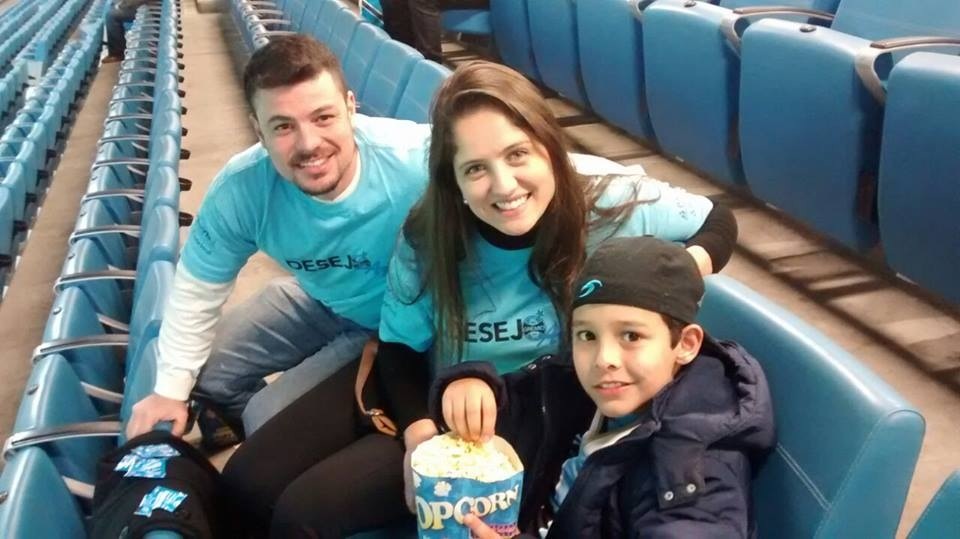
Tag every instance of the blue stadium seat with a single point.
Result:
(611, 60)
(940, 519)
(56, 397)
(847, 442)
(553, 31)
(425, 79)
(366, 41)
(37, 503)
(693, 79)
(388, 78)
(342, 27)
(809, 126)
(56, 416)
(7, 231)
(919, 189)
(466, 21)
(510, 21)
(323, 23)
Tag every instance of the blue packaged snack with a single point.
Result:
(147, 468)
(125, 463)
(160, 498)
(155, 451)
(454, 478)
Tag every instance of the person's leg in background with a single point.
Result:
(425, 21)
(396, 20)
(272, 332)
(116, 37)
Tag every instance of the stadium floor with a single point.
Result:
(906, 337)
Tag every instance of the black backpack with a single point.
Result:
(117, 498)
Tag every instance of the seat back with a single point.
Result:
(388, 78)
(107, 296)
(881, 19)
(941, 518)
(343, 24)
(54, 397)
(847, 442)
(73, 316)
(34, 492)
(148, 307)
(140, 381)
(918, 188)
(96, 213)
(323, 22)
(417, 99)
(466, 21)
(366, 41)
(613, 74)
(553, 30)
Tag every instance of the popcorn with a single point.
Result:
(454, 478)
(451, 456)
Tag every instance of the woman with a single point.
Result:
(487, 261)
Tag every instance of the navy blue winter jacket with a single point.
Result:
(684, 472)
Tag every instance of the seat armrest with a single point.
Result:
(94, 341)
(136, 195)
(732, 28)
(94, 231)
(90, 276)
(865, 61)
(32, 437)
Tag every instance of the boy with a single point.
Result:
(680, 417)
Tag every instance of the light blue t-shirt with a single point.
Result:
(339, 251)
(510, 320)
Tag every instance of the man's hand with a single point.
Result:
(702, 257)
(418, 432)
(470, 409)
(479, 529)
(154, 409)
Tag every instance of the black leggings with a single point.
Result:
(318, 468)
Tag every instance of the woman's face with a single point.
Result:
(505, 177)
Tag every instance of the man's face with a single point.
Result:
(307, 128)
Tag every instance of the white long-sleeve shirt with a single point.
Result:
(186, 336)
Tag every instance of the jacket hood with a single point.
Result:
(721, 400)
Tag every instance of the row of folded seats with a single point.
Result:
(98, 355)
(838, 422)
(45, 84)
(790, 100)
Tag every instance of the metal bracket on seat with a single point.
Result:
(729, 23)
(865, 61)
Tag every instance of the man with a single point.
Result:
(324, 194)
(417, 22)
(123, 11)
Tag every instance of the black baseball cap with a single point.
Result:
(643, 272)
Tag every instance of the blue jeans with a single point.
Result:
(281, 329)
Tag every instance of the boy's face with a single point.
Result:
(623, 355)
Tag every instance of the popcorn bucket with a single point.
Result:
(450, 484)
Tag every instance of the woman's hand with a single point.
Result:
(417, 433)
(470, 409)
(479, 529)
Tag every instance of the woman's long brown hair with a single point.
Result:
(439, 227)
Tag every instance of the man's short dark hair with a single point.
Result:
(289, 60)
